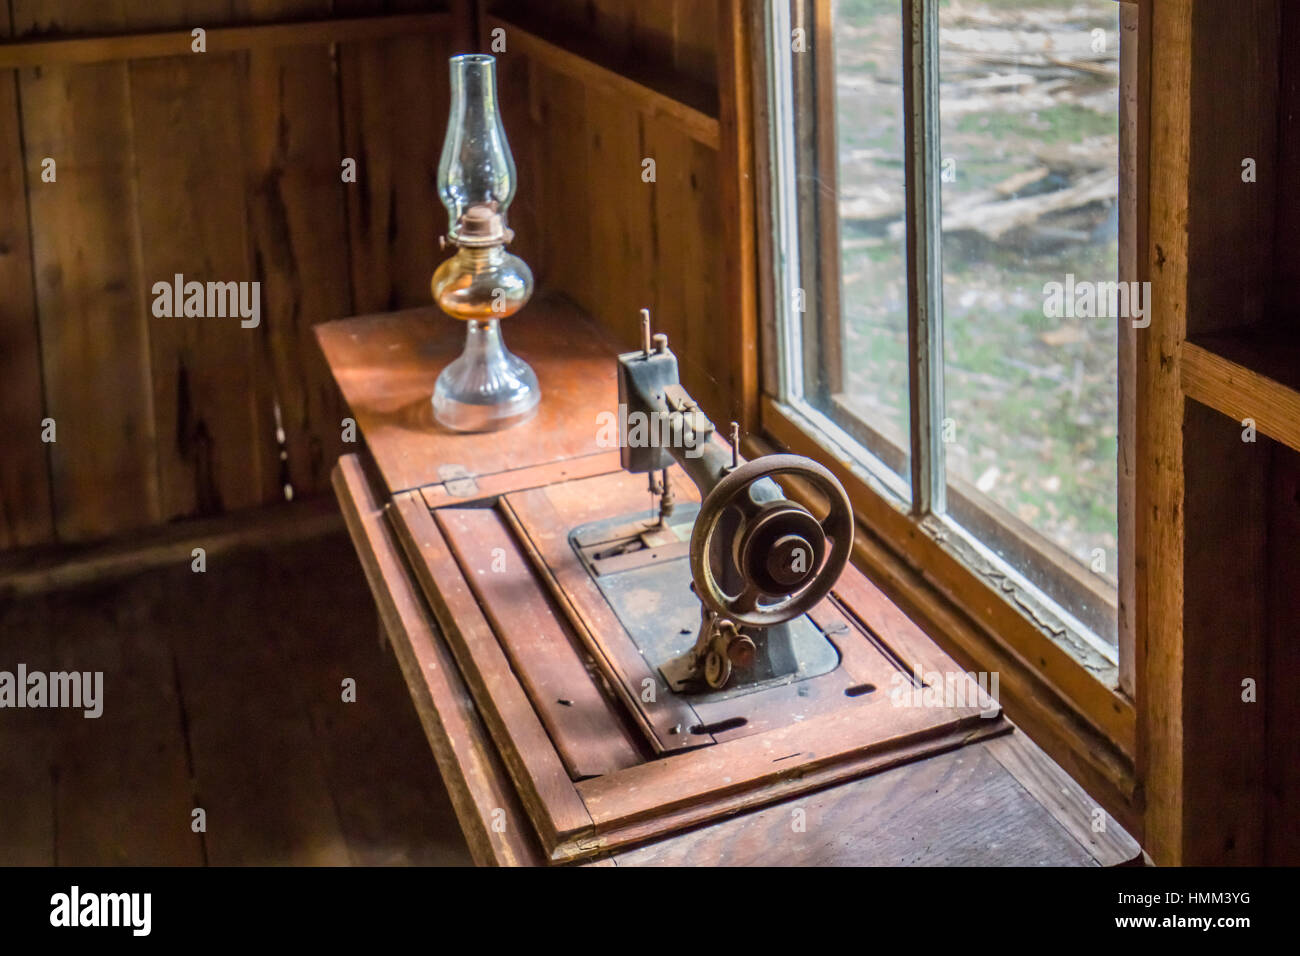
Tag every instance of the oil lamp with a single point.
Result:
(486, 387)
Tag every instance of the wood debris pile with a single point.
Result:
(1005, 65)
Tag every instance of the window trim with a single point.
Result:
(1083, 698)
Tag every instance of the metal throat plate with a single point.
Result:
(649, 589)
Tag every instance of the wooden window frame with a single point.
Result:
(1059, 684)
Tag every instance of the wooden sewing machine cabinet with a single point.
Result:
(534, 652)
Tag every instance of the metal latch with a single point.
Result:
(458, 481)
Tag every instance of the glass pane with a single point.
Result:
(1029, 109)
(857, 373)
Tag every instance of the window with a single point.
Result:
(946, 308)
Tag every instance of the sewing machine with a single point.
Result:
(650, 649)
(754, 560)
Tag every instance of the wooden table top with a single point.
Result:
(998, 801)
(386, 366)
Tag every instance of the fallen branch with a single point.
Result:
(996, 219)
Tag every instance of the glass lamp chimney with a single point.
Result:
(487, 387)
(476, 166)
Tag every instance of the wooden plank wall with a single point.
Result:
(225, 166)
(25, 516)
(1217, 513)
(586, 221)
(222, 167)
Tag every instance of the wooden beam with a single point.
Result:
(698, 123)
(137, 46)
(1158, 524)
(1246, 379)
(1200, 513)
(736, 174)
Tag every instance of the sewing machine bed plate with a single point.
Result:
(600, 748)
(649, 590)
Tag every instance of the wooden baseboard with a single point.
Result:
(52, 567)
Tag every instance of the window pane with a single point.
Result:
(1029, 110)
(852, 201)
(873, 277)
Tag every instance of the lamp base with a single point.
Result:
(487, 387)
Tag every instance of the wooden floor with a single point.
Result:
(222, 690)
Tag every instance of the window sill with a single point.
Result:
(1063, 693)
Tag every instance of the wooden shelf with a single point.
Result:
(220, 39)
(691, 106)
(1253, 374)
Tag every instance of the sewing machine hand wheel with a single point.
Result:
(779, 548)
